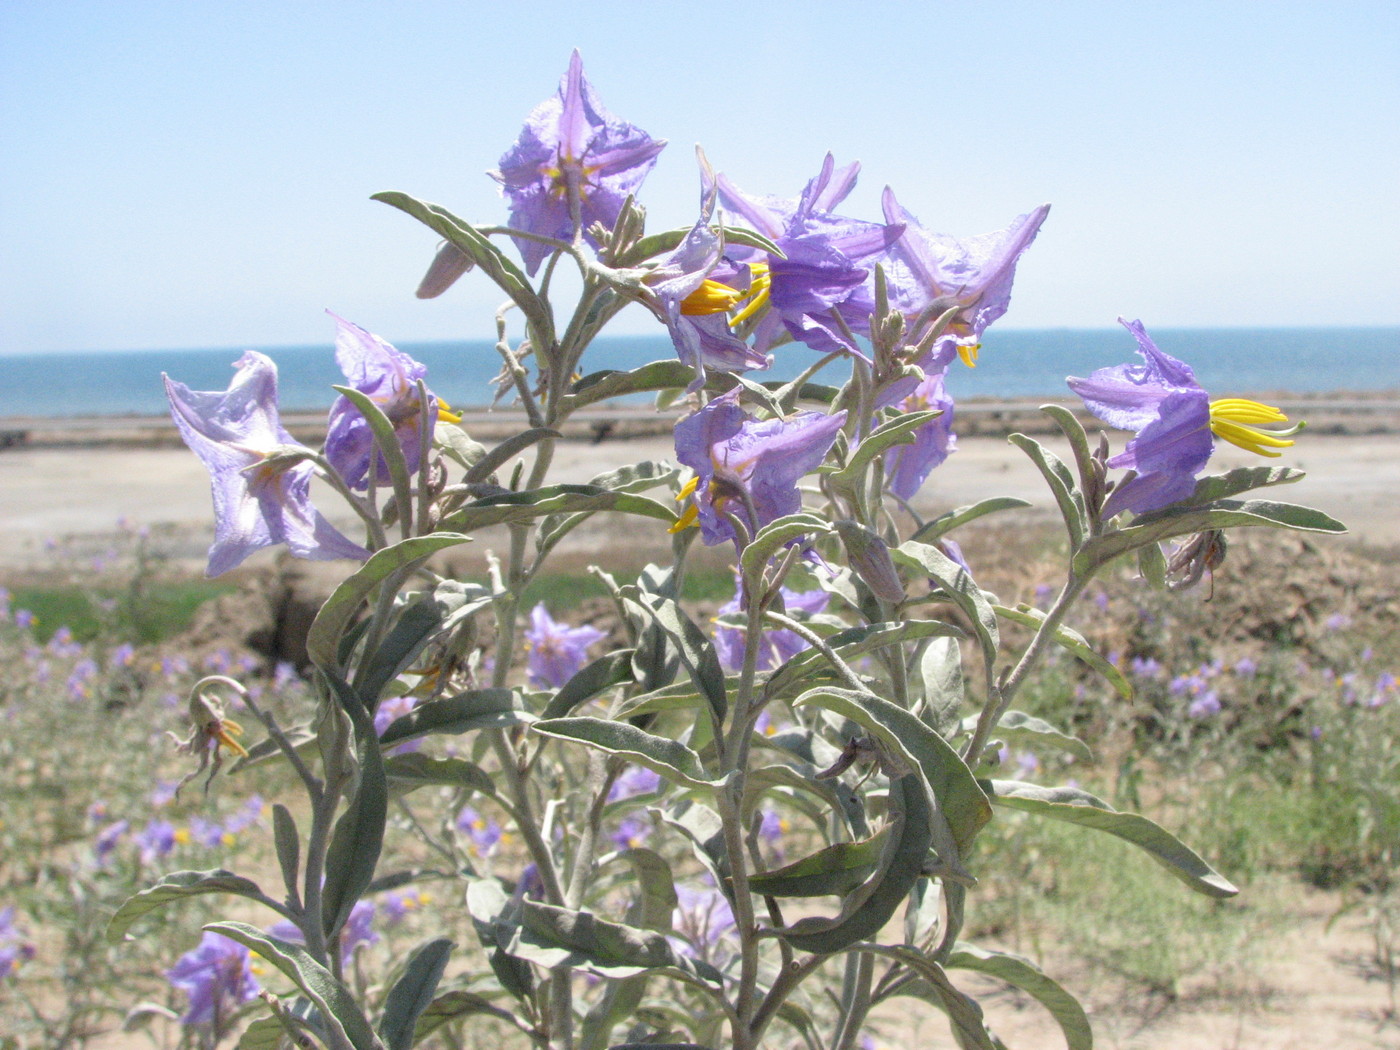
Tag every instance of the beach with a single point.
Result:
(77, 488)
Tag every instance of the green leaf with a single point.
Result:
(637, 477)
(1074, 806)
(959, 796)
(415, 769)
(964, 1014)
(358, 836)
(177, 886)
(600, 386)
(288, 844)
(323, 640)
(519, 507)
(1025, 975)
(836, 869)
(412, 993)
(387, 442)
(1078, 440)
(339, 1010)
(1183, 521)
(898, 431)
(932, 531)
(958, 584)
(940, 675)
(453, 1005)
(1152, 565)
(670, 758)
(418, 622)
(602, 674)
(656, 889)
(551, 936)
(696, 651)
(1073, 642)
(454, 715)
(493, 262)
(867, 909)
(1019, 727)
(850, 643)
(775, 535)
(1233, 483)
(1062, 486)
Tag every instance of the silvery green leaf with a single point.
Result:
(414, 769)
(773, 537)
(940, 526)
(670, 758)
(957, 583)
(852, 642)
(1025, 975)
(1073, 806)
(902, 856)
(696, 651)
(452, 1005)
(358, 836)
(508, 449)
(177, 886)
(1062, 485)
(288, 844)
(323, 640)
(339, 1011)
(1072, 642)
(599, 676)
(463, 713)
(412, 994)
(551, 936)
(1021, 728)
(837, 869)
(898, 431)
(959, 797)
(518, 507)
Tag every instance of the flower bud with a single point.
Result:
(871, 561)
(448, 264)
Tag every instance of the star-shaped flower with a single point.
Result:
(573, 165)
(260, 477)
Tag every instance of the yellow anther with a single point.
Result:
(1236, 419)
(445, 413)
(968, 353)
(760, 281)
(712, 297)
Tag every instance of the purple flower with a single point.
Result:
(384, 715)
(24, 619)
(1174, 419)
(634, 780)
(156, 839)
(1246, 667)
(261, 486)
(217, 976)
(356, 931)
(702, 918)
(822, 284)
(106, 841)
(556, 652)
(743, 465)
(389, 378)
(574, 164)
(777, 645)
(909, 466)
(1144, 667)
(15, 950)
(1205, 705)
(631, 833)
(396, 906)
(694, 291)
(929, 273)
(483, 833)
(1384, 690)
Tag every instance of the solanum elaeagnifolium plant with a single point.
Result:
(730, 836)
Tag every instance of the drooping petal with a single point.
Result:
(910, 465)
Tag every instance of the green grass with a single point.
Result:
(153, 614)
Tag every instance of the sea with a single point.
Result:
(1245, 362)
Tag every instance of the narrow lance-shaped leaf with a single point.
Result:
(339, 1011)
(670, 758)
(177, 886)
(323, 640)
(412, 993)
(1067, 495)
(1074, 806)
(1072, 642)
(1025, 975)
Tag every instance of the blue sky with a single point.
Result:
(192, 174)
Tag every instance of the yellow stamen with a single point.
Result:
(1235, 419)
(692, 513)
(712, 297)
(760, 281)
(445, 413)
(968, 353)
(225, 731)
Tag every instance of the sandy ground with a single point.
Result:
(79, 495)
